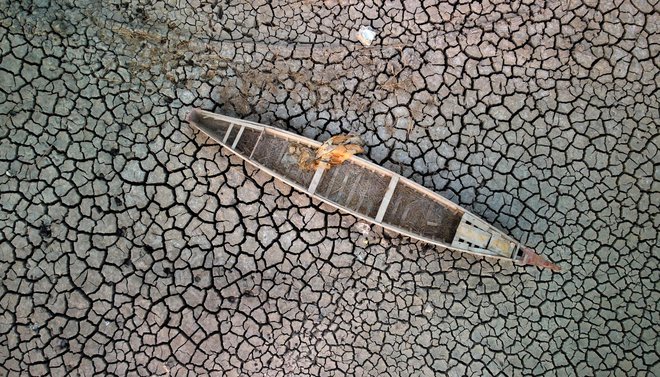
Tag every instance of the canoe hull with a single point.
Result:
(365, 190)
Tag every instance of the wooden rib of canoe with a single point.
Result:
(365, 190)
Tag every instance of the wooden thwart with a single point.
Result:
(238, 137)
(386, 199)
(315, 180)
(256, 145)
(224, 140)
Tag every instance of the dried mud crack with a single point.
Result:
(130, 245)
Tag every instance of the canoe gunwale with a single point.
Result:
(517, 255)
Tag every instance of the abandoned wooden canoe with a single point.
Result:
(365, 190)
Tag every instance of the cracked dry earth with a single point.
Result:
(132, 245)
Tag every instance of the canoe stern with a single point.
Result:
(530, 257)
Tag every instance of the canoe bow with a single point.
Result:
(532, 258)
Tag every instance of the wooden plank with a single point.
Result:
(501, 245)
(224, 140)
(386, 198)
(472, 234)
(256, 144)
(315, 180)
(238, 137)
(203, 114)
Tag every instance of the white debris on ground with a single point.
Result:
(363, 228)
(366, 35)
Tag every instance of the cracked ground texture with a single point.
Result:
(132, 245)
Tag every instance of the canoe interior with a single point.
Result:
(422, 214)
(273, 153)
(355, 187)
(371, 192)
(215, 128)
(248, 141)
